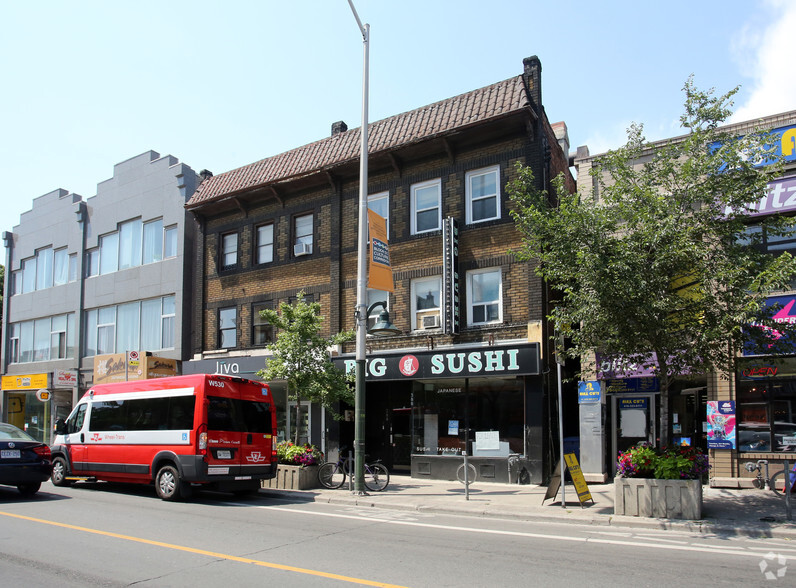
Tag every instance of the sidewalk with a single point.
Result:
(755, 513)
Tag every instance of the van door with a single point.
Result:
(75, 442)
(257, 434)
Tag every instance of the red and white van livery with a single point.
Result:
(205, 430)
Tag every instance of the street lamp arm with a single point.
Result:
(363, 29)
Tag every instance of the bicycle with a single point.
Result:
(775, 483)
(333, 474)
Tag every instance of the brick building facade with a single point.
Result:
(288, 223)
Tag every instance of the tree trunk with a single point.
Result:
(298, 419)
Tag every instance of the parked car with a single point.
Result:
(24, 462)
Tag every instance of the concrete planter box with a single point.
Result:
(291, 477)
(669, 499)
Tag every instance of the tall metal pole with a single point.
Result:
(362, 276)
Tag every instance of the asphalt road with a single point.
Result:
(110, 535)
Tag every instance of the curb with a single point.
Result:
(774, 529)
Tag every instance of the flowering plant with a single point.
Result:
(303, 455)
(670, 463)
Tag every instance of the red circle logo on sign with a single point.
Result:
(408, 365)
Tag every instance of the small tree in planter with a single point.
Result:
(301, 357)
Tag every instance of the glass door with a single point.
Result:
(301, 416)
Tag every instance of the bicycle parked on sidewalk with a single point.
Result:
(333, 474)
(777, 483)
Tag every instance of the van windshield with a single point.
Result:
(234, 414)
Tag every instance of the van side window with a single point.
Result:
(143, 414)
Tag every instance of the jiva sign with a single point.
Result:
(457, 363)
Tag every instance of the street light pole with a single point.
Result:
(362, 279)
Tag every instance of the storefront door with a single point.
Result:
(633, 416)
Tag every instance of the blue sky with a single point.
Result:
(89, 83)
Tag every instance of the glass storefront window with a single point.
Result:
(767, 407)
(446, 410)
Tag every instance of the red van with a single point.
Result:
(181, 432)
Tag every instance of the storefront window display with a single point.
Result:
(446, 410)
(766, 405)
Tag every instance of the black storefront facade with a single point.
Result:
(424, 408)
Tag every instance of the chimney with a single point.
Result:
(532, 75)
(339, 127)
(562, 136)
(205, 174)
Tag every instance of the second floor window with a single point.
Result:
(484, 294)
(42, 339)
(426, 297)
(426, 207)
(229, 250)
(262, 330)
(483, 195)
(228, 328)
(143, 325)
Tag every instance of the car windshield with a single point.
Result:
(11, 433)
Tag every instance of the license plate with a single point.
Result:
(10, 453)
(223, 454)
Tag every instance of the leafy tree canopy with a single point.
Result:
(659, 259)
(301, 356)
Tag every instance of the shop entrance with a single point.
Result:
(633, 416)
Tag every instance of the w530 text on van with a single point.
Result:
(178, 433)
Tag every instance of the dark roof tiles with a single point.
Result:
(423, 123)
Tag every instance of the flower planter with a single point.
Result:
(291, 477)
(670, 499)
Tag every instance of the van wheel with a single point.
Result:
(167, 483)
(60, 471)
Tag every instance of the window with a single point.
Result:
(16, 282)
(142, 325)
(483, 195)
(426, 303)
(72, 267)
(229, 250)
(227, 327)
(28, 275)
(484, 296)
(58, 347)
(426, 209)
(130, 244)
(42, 339)
(380, 204)
(109, 253)
(766, 408)
(13, 343)
(60, 267)
(44, 268)
(153, 241)
(265, 243)
(375, 296)
(170, 242)
(92, 262)
(262, 331)
(302, 231)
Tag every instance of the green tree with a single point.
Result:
(301, 357)
(659, 260)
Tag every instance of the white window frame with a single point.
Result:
(304, 237)
(416, 211)
(469, 176)
(422, 285)
(264, 249)
(470, 296)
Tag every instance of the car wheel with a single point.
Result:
(167, 483)
(59, 473)
(29, 489)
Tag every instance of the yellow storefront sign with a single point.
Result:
(581, 487)
(25, 382)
